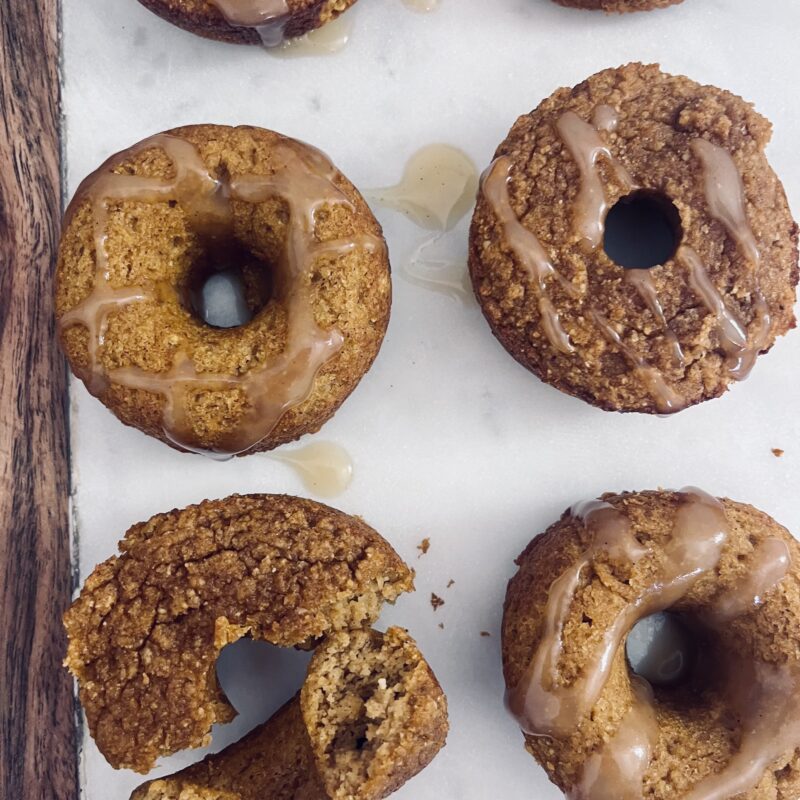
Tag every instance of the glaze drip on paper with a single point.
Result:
(325, 468)
(437, 189)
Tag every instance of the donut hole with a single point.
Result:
(664, 649)
(228, 286)
(642, 230)
(240, 672)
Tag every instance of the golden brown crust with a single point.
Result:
(146, 630)
(618, 6)
(695, 740)
(273, 761)
(370, 716)
(152, 244)
(659, 117)
(204, 19)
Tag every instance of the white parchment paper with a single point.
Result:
(451, 439)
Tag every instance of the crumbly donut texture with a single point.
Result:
(152, 244)
(205, 19)
(618, 6)
(146, 630)
(379, 713)
(697, 734)
(370, 716)
(659, 116)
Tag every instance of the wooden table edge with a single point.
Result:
(38, 730)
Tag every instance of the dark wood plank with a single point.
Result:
(37, 717)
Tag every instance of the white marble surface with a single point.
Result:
(450, 438)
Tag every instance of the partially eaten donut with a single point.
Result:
(370, 716)
(145, 633)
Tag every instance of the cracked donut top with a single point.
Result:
(732, 727)
(369, 717)
(654, 337)
(266, 22)
(152, 224)
(146, 630)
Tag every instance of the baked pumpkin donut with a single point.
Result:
(369, 717)
(618, 6)
(145, 231)
(267, 22)
(731, 728)
(146, 630)
(647, 152)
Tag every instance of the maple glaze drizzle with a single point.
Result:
(764, 696)
(331, 38)
(304, 179)
(528, 250)
(200, 194)
(541, 703)
(730, 330)
(591, 207)
(268, 17)
(586, 147)
(769, 566)
(642, 281)
(725, 195)
(667, 400)
(617, 770)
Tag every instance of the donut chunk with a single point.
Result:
(635, 339)
(370, 716)
(147, 229)
(618, 6)
(146, 630)
(265, 22)
(732, 574)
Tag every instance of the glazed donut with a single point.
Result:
(145, 231)
(369, 717)
(146, 630)
(267, 22)
(731, 728)
(636, 339)
(618, 6)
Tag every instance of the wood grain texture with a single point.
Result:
(37, 720)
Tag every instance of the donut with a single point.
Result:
(618, 6)
(731, 726)
(154, 222)
(148, 625)
(636, 144)
(267, 22)
(369, 717)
